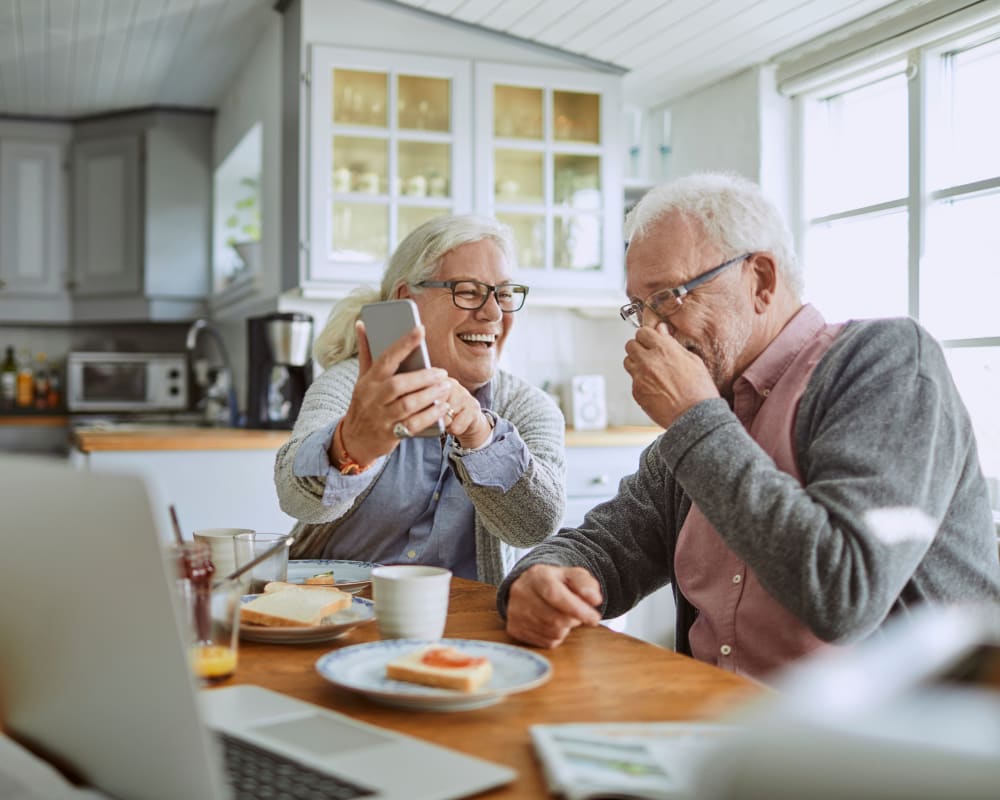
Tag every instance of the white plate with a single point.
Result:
(361, 668)
(348, 576)
(336, 625)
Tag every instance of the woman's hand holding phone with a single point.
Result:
(384, 397)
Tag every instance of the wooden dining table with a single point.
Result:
(598, 675)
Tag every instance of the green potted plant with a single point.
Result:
(243, 225)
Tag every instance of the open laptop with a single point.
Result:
(94, 675)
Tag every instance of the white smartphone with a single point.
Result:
(385, 323)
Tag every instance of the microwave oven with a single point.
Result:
(100, 382)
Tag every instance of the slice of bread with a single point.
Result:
(294, 607)
(277, 586)
(321, 579)
(443, 667)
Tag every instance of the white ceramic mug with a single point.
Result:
(220, 540)
(411, 600)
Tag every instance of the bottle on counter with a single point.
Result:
(41, 382)
(25, 397)
(8, 381)
(55, 388)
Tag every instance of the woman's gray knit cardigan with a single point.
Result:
(523, 516)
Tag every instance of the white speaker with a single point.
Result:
(586, 402)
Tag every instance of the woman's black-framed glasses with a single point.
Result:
(472, 295)
(665, 302)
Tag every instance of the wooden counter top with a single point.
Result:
(53, 420)
(174, 437)
(622, 436)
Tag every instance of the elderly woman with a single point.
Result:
(361, 487)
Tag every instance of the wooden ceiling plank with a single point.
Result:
(164, 48)
(207, 70)
(10, 66)
(668, 26)
(87, 53)
(133, 91)
(607, 29)
(676, 79)
(31, 20)
(543, 16)
(114, 47)
(61, 47)
(561, 32)
(443, 6)
(505, 13)
(756, 29)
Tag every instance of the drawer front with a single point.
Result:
(596, 471)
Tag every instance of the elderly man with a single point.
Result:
(812, 480)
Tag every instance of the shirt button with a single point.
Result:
(411, 553)
(766, 392)
(725, 649)
(737, 578)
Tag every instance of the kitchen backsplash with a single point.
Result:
(551, 345)
(547, 346)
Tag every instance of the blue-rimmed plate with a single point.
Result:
(348, 576)
(336, 625)
(361, 668)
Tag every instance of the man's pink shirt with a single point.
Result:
(740, 627)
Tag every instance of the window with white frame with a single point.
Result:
(900, 206)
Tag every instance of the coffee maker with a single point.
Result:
(279, 368)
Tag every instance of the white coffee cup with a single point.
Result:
(220, 540)
(411, 600)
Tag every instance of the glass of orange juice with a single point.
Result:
(212, 614)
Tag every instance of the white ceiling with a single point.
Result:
(72, 58)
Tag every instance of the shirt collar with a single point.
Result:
(767, 369)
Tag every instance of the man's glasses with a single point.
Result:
(472, 295)
(668, 301)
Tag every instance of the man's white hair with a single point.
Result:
(733, 212)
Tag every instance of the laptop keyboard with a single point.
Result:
(256, 773)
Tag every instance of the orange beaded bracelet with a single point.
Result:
(346, 464)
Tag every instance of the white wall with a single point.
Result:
(742, 125)
(254, 98)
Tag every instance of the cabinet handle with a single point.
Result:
(599, 480)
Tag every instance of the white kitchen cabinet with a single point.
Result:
(142, 217)
(395, 139)
(592, 476)
(106, 209)
(549, 165)
(33, 224)
(389, 148)
(209, 488)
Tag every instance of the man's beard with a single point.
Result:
(721, 354)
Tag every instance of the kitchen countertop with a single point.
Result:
(173, 437)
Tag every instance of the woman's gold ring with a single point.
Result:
(450, 413)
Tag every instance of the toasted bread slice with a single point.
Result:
(321, 579)
(443, 667)
(294, 607)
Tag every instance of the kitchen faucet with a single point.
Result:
(227, 366)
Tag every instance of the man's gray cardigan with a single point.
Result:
(880, 425)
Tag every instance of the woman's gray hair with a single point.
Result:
(733, 212)
(417, 258)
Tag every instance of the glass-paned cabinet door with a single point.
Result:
(390, 148)
(551, 170)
